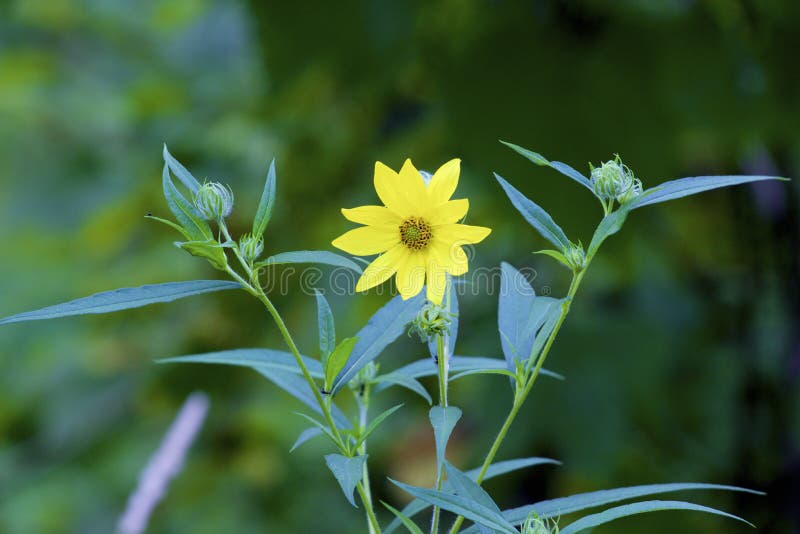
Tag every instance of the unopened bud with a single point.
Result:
(614, 180)
(214, 201)
(536, 525)
(576, 256)
(364, 377)
(431, 321)
(251, 247)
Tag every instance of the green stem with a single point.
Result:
(367, 500)
(363, 406)
(522, 394)
(442, 360)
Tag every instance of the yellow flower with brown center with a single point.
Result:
(416, 231)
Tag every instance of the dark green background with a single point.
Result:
(682, 353)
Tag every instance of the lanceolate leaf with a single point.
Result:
(267, 202)
(581, 501)
(443, 420)
(535, 215)
(384, 381)
(691, 186)
(610, 225)
(180, 171)
(591, 521)
(410, 525)
(348, 472)
(326, 327)
(464, 486)
(338, 359)
(385, 326)
(311, 256)
(497, 469)
(427, 367)
(375, 423)
(186, 214)
(298, 388)
(306, 435)
(461, 506)
(563, 168)
(123, 299)
(253, 358)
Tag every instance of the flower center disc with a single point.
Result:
(415, 233)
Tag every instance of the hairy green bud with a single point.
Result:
(251, 247)
(364, 377)
(214, 201)
(431, 321)
(576, 256)
(614, 180)
(536, 525)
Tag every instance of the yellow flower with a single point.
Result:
(416, 232)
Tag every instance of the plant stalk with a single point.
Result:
(442, 361)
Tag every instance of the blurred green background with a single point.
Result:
(682, 353)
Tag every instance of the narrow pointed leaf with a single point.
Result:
(253, 358)
(403, 381)
(610, 225)
(325, 326)
(187, 215)
(386, 325)
(348, 472)
(503, 372)
(306, 435)
(691, 186)
(618, 512)
(297, 387)
(375, 423)
(443, 421)
(556, 255)
(427, 367)
(464, 486)
(582, 501)
(266, 204)
(311, 256)
(535, 215)
(563, 168)
(319, 426)
(338, 359)
(496, 469)
(410, 525)
(124, 299)
(180, 171)
(461, 506)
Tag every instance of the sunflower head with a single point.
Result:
(416, 232)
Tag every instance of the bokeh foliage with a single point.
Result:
(681, 353)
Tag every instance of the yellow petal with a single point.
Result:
(382, 268)
(450, 212)
(412, 186)
(444, 182)
(458, 264)
(368, 240)
(402, 193)
(411, 275)
(460, 233)
(372, 215)
(437, 281)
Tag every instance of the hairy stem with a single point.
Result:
(442, 360)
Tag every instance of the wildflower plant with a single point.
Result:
(418, 235)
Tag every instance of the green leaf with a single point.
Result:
(503, 372)
(581, 501)
(267, 202)
(253, 358)
(461, 506)
(180, 171)
(591, 521)
(311, 256)
(427, 367)
(186, 214)
(403, 381)
(410, 526)
(348, 472)
(338, 359)
(464, 486)
(691, 186)
(556, 255)
(386, 325)
(297, 387)
(374, 424)
(319, 426)
(124, 299)
(443, 420)
(610, 225)
(171, 224)
(305, 435)
(563, 168)
(326, 327)
(496, 469)
(209, 249)
(535, 215)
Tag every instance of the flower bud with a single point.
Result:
(251, 247)
(214, 201)
(364, 377)
(614, 180)
(536, 525)
(431, 321)
(576, 256)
